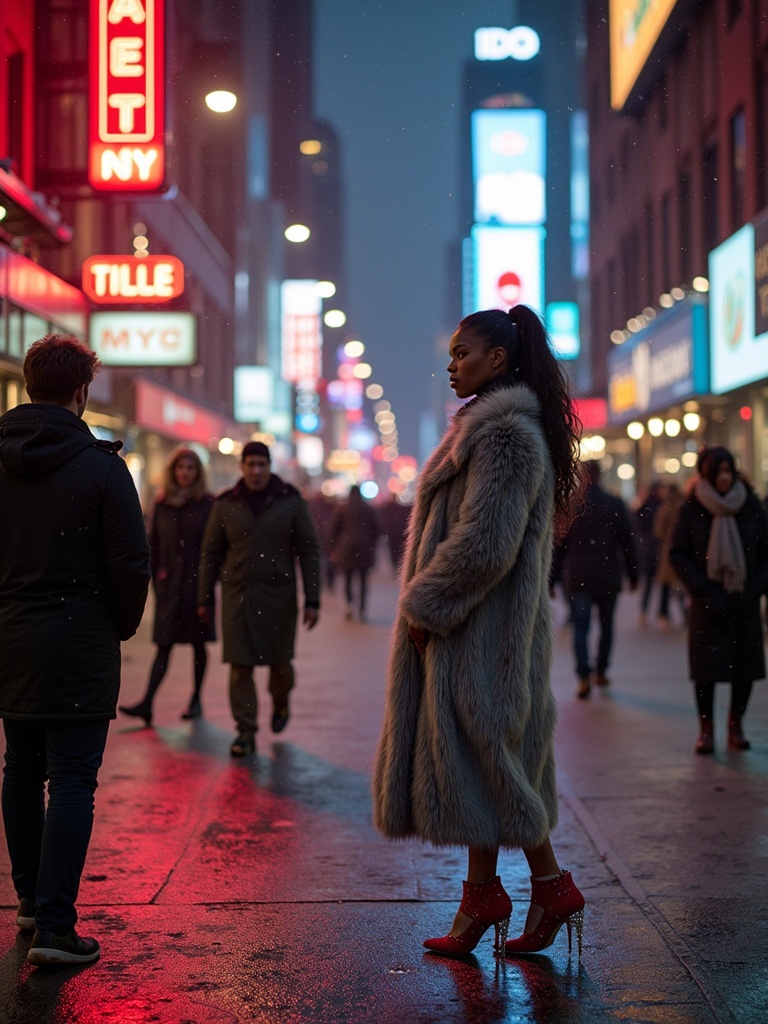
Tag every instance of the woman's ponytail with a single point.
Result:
(540, 370)
(530, 361)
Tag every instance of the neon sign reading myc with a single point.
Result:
(127, 129)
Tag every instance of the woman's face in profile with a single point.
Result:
(473, 365)
(724, 478)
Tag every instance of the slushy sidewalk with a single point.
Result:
(259, 891)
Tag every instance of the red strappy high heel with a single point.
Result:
(563, 904)
(487, 904)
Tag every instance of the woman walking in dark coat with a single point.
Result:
(354, 533)
(176, 537)
(466, 753)
(720, 552)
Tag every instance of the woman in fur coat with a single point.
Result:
(465, 756)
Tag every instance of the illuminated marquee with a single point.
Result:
(127, 122)
(118, 279)
(302, 339)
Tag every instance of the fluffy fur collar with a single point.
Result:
(505, 409)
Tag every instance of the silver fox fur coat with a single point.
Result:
(465, 755)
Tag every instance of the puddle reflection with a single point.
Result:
(521, 990)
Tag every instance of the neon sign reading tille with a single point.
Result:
(119, 279)
(127, 151)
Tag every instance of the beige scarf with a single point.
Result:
(725, 552)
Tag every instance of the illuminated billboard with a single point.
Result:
(127, 84)
(509, 166)
(144, 339)
(634, 27)
(119, 279)
(508, 267)
(738, 355)
(302, 338)
(254, 393)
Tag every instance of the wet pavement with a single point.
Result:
(258, 891)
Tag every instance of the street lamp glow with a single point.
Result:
(691, 421)
(672, 428)
(655, 426)
(635, 430)
(335, 318)
(3, 213)
(226, 446)
(221, 101)
(297, 233)
(311, 147)
(374, 391)
(325, 289)
(701, 284)
(625, 471)
(363, 371)
(354, 349)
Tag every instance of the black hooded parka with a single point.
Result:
(74, 566)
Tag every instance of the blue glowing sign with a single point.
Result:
(563, 326)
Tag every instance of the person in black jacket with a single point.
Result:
(354, 534)
(74, 573)
(587, 563)
(720, 552)
(175, 537)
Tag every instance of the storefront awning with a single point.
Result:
(29, 217)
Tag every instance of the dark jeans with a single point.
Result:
(48, 847)
(582, 614)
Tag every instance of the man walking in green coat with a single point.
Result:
(254, 535)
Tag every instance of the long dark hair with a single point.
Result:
(530, 361)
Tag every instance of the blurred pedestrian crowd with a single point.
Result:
(699, 557)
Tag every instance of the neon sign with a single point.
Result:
(145, 338)
(150, 279)
(127, 121)
(519, 43)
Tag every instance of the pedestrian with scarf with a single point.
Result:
(720, 552)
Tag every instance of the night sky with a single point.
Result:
(388, 76)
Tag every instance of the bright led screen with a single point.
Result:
(508, 267)
(509, 166)
(737, 356)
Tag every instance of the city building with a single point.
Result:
(678, 107)
(33, 301)
(151, 159)
(524, 186)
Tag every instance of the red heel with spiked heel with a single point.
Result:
(487, 904)
(562, 904)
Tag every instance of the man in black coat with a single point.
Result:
(589, 564)
(74, 573)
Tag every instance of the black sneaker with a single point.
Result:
(48, 948)
(25, 916)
